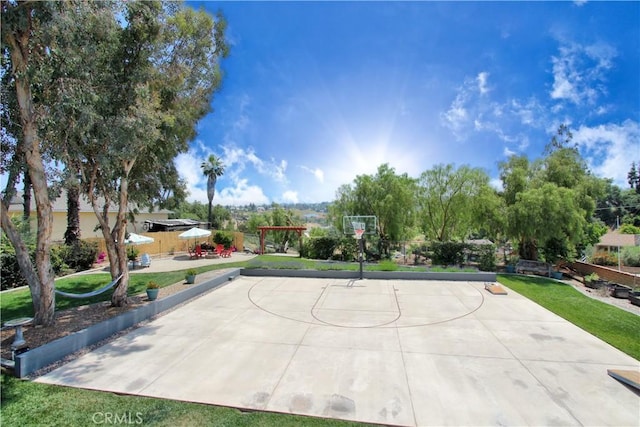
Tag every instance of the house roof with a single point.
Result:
(60, 204)
(613, 238)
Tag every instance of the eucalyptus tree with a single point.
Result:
(212, 169)
(23, 55)
(127, 83)
(162, 76)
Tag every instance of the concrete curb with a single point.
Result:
(480, 276)
(39, 357)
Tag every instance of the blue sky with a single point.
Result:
(316, 93)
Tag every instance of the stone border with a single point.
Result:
(480, 276)
(42, 356)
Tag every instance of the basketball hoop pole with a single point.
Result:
(359, 229)
(360, 256)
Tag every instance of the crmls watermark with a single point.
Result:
(117, 418)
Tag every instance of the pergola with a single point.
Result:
(263, 230)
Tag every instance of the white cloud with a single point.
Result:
(507, 152)
(579, 3)
(243, 120)
(473, 110)
(290, 197)
(241, 194)
(317, 172)
(497, 184)
(456, 118)
(236, 159)
(610, 148)
(188, 166)
(579, 72)
(482, 82)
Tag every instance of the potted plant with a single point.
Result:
(510, 266)
(152, 290)
(619, 291)
(132, 255)
(190, 276)
(593, 281)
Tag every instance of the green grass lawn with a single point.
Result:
(26, 403)
(611, 324)
(18, 303)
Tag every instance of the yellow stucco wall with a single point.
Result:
(88, 223)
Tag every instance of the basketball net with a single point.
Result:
(358, 229)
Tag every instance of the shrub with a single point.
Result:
(629, 229)
(604, 258)
(487, 258)
(222, 238)
(591, 277)
(631, 256)
(132, 253)
(80, 256)
(320, 247)
(448, 253)
(11, 276)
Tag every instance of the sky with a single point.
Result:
(316, 93)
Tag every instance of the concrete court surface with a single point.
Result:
(384, 351)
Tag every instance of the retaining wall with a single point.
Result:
(606, 273)
(480, 276)
(39, 357)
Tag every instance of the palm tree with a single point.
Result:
(212, 169)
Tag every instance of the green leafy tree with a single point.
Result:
(387, 195)
(449, 199)
(633, 177)
(190, 210)
(212, 169)
(551, 200)
(221, 216)
(129, 83)
(23, 53)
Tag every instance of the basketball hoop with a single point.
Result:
(358, 229)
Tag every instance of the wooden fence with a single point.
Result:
(606, 273)
(169, 242)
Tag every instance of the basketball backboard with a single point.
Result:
(351, 222)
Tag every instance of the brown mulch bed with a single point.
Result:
(81, 317)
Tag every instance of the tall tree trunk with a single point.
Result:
(72, 235)
(44, 300)
(211, 191)
(528, 249)
(26, 201)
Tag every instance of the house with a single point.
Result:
(613, 240)
(88, 221)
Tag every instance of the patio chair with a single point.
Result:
(145, 260)
(199, 252)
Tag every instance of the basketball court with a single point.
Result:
(384, 351)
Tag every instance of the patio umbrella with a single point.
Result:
(137, 239)
(194, 233)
